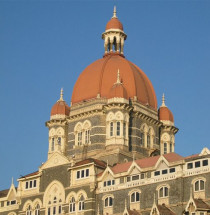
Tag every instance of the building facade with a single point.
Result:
(112, 150)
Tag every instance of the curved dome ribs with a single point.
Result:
(98, 79)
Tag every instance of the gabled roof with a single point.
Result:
(200, 204)
(91, 160)
(163, 210)
(133, 212)
(147, 162)
(30, 174)
(191, 156)
(3, 193)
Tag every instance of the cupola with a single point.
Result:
(164, 113)
(60, 109)
(114, 35)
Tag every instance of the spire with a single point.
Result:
(61, 95)
(12, 180)
(118, 77)
(114, 12)
(163, 101)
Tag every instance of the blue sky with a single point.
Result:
(45, 45)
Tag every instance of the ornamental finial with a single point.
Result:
(115, 12)
(163, 101)
(61, 95)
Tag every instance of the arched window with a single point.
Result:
(111, 129)
(165, 148)
(108, 202)
(87, 136)
(135, 197)
(59, 142)
(79, 141)
(124, 129)
(163, 192)
(37, 209)
(171, 147)
(72, 205)
(28, 210)
(53, 144)
(81, 203)
(148, 141)
(142, 138)
(199, 185)
(118, 129)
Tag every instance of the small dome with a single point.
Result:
(118, 91)
(164, 113)
(60, 108)
(114, 23)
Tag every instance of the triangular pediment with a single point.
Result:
(57, 159)
(107, 174)
(12, 193)
(134, 169)
(162, 163)
(205, 151)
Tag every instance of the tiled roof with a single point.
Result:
(163, 210)
(91, 160)
(146, 162)
(3, 193)
(30, 174)
(191, 156)
(200, 204)
(133, 212)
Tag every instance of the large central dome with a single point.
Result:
(100, 76)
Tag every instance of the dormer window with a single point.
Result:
(109, 183)
(30, 184)
(84, 173)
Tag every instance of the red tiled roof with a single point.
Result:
(3, 193)
(146, 162)
(30, 174)
(191, 156)
(91, 160)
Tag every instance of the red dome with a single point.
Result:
(165, 114)
(60, 108)
(99, 77)
(118, 91)
(114, 23)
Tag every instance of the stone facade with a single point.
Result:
(113, 154)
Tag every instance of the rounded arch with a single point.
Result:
(165, 137)
(51, 132)
(107, 195)
(60, 131)
(27, 203)
(80, 193)
(144, 127)
(55, 188)
(86, 124)
(162, 185)
(133, 191)
(119, 115)
(198, 179)
(36, 202)
(78, 127)
(110, 116)
(12, 213)
(151, 131)
(70, 195)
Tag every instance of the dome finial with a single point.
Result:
(163, 101)
(61, 95)
(114, 12)
(118, 77)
